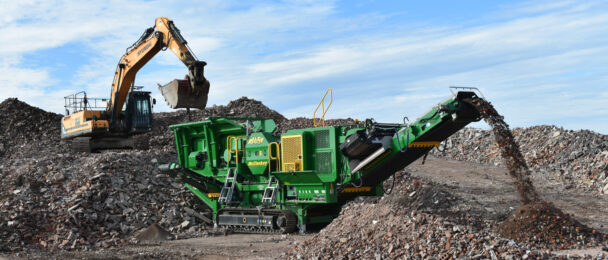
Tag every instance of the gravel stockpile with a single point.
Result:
(70, 201)
(580, 158)
(421, 219)
(418, 220)
(27, 130)
(541, 224)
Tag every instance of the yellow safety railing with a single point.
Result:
(236, 143)
(276, 158)
(323, 108)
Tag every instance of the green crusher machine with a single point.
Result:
(255, 181)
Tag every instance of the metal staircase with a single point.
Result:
(270, 193)
(228, 188)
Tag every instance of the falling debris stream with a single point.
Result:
(535, 221)
(516, 164)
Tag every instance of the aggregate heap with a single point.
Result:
(578, 158)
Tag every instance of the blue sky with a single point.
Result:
(539, 62)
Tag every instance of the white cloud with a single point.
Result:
(526, 58)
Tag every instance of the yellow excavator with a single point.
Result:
(128, 112)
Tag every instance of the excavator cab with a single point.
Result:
(138, 112)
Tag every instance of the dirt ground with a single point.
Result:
(485, 190)
(488, 189)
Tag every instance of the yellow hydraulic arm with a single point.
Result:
(161, 36)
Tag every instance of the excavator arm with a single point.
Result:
(163, 35)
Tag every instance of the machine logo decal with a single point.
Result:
(144, 49)
(255, 140)
(257, 163)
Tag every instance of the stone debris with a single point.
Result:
(411, 222)
(153, 233)
(25, 129)
(541, 224)
(537, 222)
(420, 219)
(511, 154)
(577, 158)
(51, 198)
(76, 201)
(417, 223)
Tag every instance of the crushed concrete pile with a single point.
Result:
(578, 158)
(414, 193)
(411, 222)
(541, 224)
(51, 198)
(70, 201)
(26, 129)
(421, 219)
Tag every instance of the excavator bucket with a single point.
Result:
(180, 94)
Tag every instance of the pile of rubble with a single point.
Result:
(55, 199)
(419, 219)
(26, 129)
(71, 201)
(579, 158)
(541, 224)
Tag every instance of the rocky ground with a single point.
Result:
(65, 205)
(51, 198)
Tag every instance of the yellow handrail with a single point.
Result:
(236, 142)
(275, 158)
(322, 104)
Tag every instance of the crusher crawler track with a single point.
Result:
(254, 221)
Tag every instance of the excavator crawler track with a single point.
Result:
(81, 145)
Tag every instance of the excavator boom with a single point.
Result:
(128, 112)
(164, 35)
